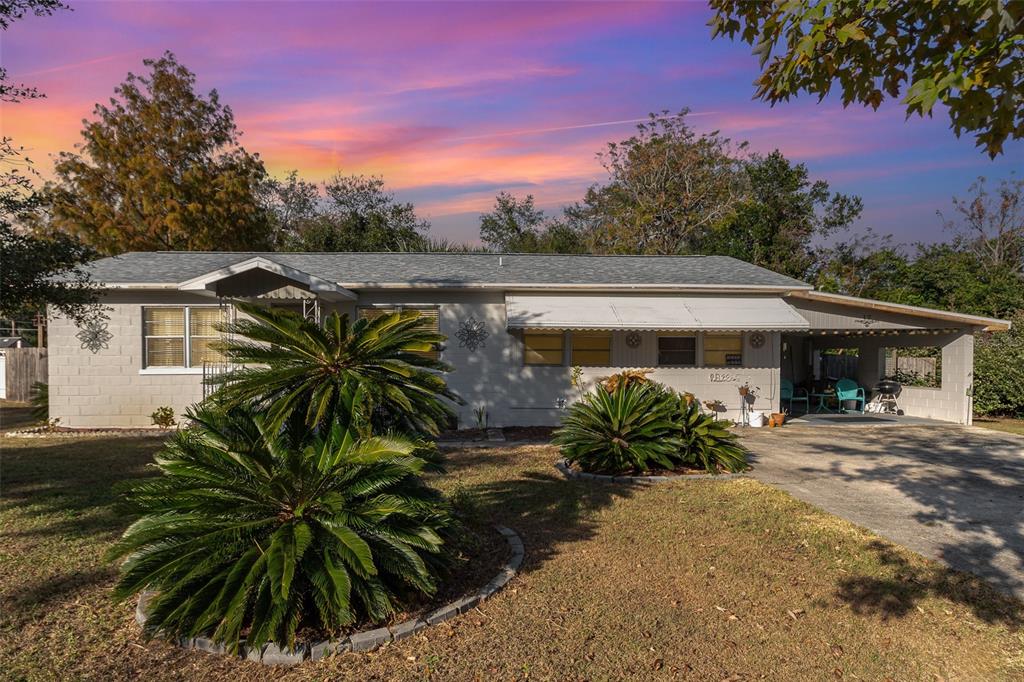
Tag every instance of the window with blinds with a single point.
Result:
(723, 350)
(543, 348)
(430, 318)
(677, 351)
(591, 349)
(180, 336)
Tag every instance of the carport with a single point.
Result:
(877, 330)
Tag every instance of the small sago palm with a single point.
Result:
(257, 532)
(291, 364)
(627, 429)
(707, 442)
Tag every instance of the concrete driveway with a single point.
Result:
(950, 493)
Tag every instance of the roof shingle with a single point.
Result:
(361, 270)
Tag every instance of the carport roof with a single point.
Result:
(987, 323)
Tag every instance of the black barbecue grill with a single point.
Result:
(887, 392)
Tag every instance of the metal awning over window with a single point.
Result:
(723, 313)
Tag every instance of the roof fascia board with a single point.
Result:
(988, 324)
(562, 286)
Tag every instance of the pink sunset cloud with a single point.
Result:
(452, 102)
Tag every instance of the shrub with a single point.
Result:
(707, 442)
(163, 417)
(371, 372)
(628, 429)
(259, 531)
(999, 371)
(642, 425)
(40, 401)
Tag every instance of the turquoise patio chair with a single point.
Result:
(788, 394)
(847, 389)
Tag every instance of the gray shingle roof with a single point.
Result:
(451, 269)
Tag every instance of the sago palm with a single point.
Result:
(290, 364)
(707, 442)
(627, 429)
(257, 531)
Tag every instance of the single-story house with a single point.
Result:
(516, 325)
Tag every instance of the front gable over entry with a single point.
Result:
(261, 276)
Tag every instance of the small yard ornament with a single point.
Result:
(94, 336)
(472, 334)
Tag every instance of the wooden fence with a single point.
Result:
(24, 367)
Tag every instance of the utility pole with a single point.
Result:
(40, 330)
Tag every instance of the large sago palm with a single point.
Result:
(258, 531)
(380, 366)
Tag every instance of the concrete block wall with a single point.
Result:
(108, 388)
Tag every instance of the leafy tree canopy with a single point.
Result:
(784, 213)
(668, 188)
(517, 226)
(160, 167)
(966, 54)
(356, 213)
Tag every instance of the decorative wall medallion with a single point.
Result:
(757, 340)
(633, 339)
(472, 334)
(94, 336)
(866, 321)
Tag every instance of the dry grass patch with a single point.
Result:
(689, 580)
(1004, 424)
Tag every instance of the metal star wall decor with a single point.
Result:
(94, 336)
(472, 334)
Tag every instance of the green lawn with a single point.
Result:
(693, 580)
(1006, 424)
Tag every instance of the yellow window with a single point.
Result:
(202, 334)
(723, 350)
(592, 349)
(543, 348)
(164, 336)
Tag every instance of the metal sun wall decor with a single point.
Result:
(472, 334)
(94, 336)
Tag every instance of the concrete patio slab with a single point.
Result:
(951, 493)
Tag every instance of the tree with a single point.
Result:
(160, 168)
(11, 11)
(41, 271)
(517, 226)
(784, 213)
(34, 272)
(992, 226)
(513, 225)
(667, 189)
(866, 265)
(292, 204)
(966, 54)
(358, 214)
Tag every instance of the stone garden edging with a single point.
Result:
(573, 475)
(366, 640)
(44, 432)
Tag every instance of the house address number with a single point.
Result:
(723, 378)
